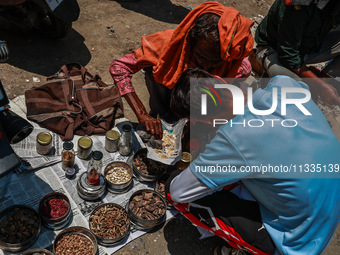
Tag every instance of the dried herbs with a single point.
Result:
(19, 226)
(109, 221)
(148, 166)
(147, 205)
(74, 244)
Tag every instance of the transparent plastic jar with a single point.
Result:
(84, 147)
(125, 141)
(67, 155)
(44, 143)
(112, 140)
(94, 168)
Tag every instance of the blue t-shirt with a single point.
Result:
(300, 211)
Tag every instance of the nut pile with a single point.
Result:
(109, 221)
(74, 244)
(148, 166)
(118, 175)
(148, 206)
(19, 226)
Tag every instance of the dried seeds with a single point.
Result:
(74, 244)
(118, 175)
(109, 221)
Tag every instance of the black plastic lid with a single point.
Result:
(126, 128)
(68, 145)
(97, 155)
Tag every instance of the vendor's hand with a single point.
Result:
(153, 126)
(328, 95)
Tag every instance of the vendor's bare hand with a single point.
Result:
(328, 95)
(153, 126)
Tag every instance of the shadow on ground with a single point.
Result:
(162, 10)
(183, 238)
(34, 53)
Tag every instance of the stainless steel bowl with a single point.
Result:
(37, 251)
(16, 247)
(139, 222)
(118, 187)
(110, 241)
(78, 231)
(90, 192)
(157, 166)
(57, 223)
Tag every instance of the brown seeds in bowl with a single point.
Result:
(147, 205)
(74, 244)
(109, 221)
(19, 226)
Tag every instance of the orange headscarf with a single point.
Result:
(169, 51)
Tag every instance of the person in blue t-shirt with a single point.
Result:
(266, 184)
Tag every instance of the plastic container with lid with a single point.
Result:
(111, 141)
(125, 141)
(67, 155)
(44, 143)
(84, 147)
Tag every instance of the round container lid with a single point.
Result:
(126, 128)
(97, 155)
(44, 138)
(112, 135)
(68, 145)
(70, 171)
(186, 157)
(85, 143)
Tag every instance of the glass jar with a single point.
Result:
(125, 141)
(67, 155)
(84, 147)
(94, 168)
(111, 141)
(44, 143)
(184, 162)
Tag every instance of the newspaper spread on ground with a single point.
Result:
(46, 175)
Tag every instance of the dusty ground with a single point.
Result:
(107, 30)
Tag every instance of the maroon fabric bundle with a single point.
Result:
(73, 101)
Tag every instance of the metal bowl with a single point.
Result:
(158, 167)
(57, 223)
(77, 231)
(38, 251)
(118, 187)
(139, 222)
(109, 241)
(16, 247)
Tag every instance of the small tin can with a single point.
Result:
(111, 141)
(84, 147)
(44, 143)
(184, 162)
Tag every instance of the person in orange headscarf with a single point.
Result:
(212, 36)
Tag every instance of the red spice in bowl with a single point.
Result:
(54, 208)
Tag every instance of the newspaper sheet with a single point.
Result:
(46, 175)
